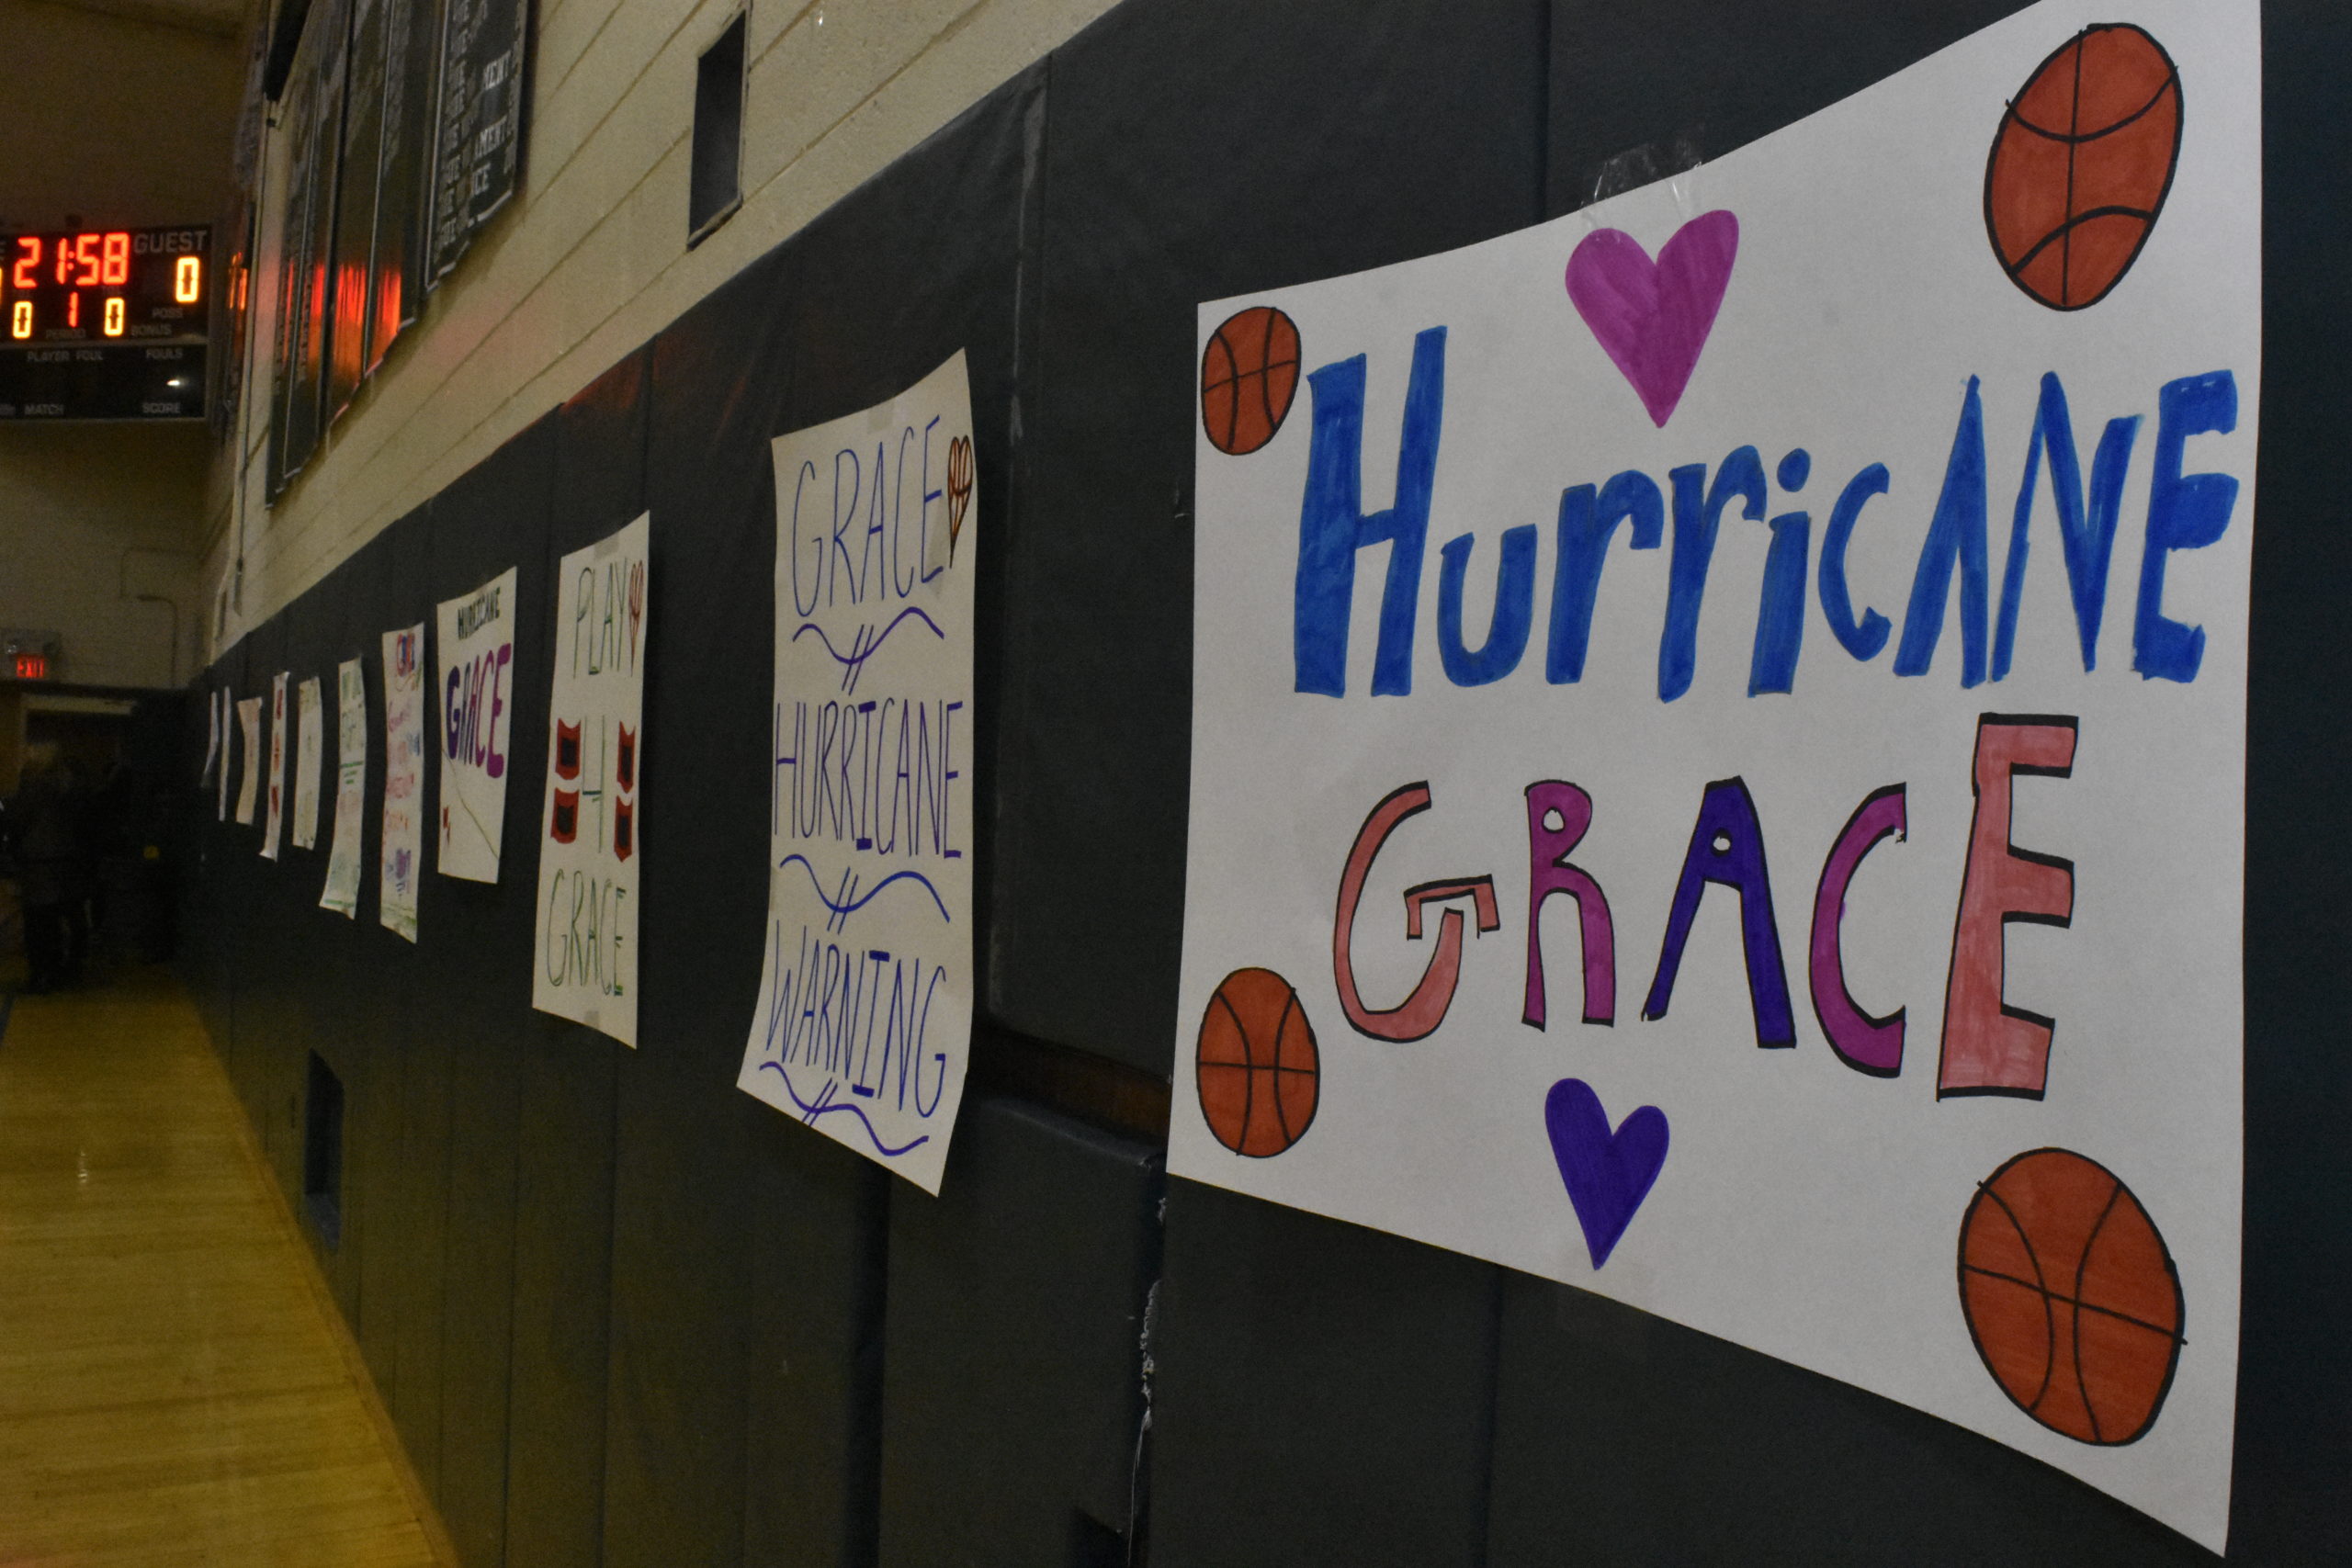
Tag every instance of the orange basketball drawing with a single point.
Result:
(2081, 165)
(1249, 375)
(1257, 1068)
(2071, 1296)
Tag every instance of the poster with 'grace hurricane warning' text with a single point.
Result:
(1718, 741)
(864, 1015)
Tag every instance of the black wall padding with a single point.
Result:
(563, 1146)
(1012, 1389)
(381, 981)
(315, 633)
(1622, 1437)
(419, 1182)
(1324, 1393)
(675, 1456)
(1669, 82)
(2294, 1377)
(1194, 150)
(475, 1010)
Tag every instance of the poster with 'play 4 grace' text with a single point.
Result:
(1718, 738)
(590, 822)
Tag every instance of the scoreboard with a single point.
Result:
(105, 323)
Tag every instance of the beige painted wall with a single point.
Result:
(590, 260)
(91, 516)
(113, 121)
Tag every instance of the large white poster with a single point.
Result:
(308, 746)
(402, 851)
(476, 645)
(1718, 739)
(590, 821)
(249, 737)
(342, 891)
(864, 1015)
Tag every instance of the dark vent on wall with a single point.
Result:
(717, 181)
(322, 1153)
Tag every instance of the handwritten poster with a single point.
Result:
(590, 825)
(1718, 740)
(864, 1015)
(249, 788)
(342, 891)
(477, 650)
(308, 746)
(274, 819)
(404, 844)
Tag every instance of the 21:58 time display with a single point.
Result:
(115, 283)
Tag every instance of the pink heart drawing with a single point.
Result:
(1653, 317)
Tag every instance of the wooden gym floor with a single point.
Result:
(175, 1388)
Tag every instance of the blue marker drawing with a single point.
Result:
(863, 647)
(849, 901)
(825, 1105)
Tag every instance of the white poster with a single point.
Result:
(249, 733)
(403, 845)
(1718, 738)
(590, 823)
(342, 891)
(308, 745)
(274, 818)
(476, 645)
(865, 1014)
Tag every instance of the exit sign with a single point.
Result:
(29, 655)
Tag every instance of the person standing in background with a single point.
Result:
(52, 869)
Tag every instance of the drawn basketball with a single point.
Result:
(1249, 375)
(1257, 1068)
(2081, 165)
(2071, 1296)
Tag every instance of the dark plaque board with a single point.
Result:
(114, 381)
(286, 458)
(412, 31)
(326, 41)
(350, 357)
(478, 159)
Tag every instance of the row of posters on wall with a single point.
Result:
(863, 1018)
(1809, 772)
(1879, 496)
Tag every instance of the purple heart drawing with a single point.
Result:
(1606, 1174)
(1653, 317)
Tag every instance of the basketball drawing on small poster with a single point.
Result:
(1249, 378)
(2071, 1296)
(1257, 1068)
(2082, 164)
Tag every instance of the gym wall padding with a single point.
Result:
(623, 1314)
